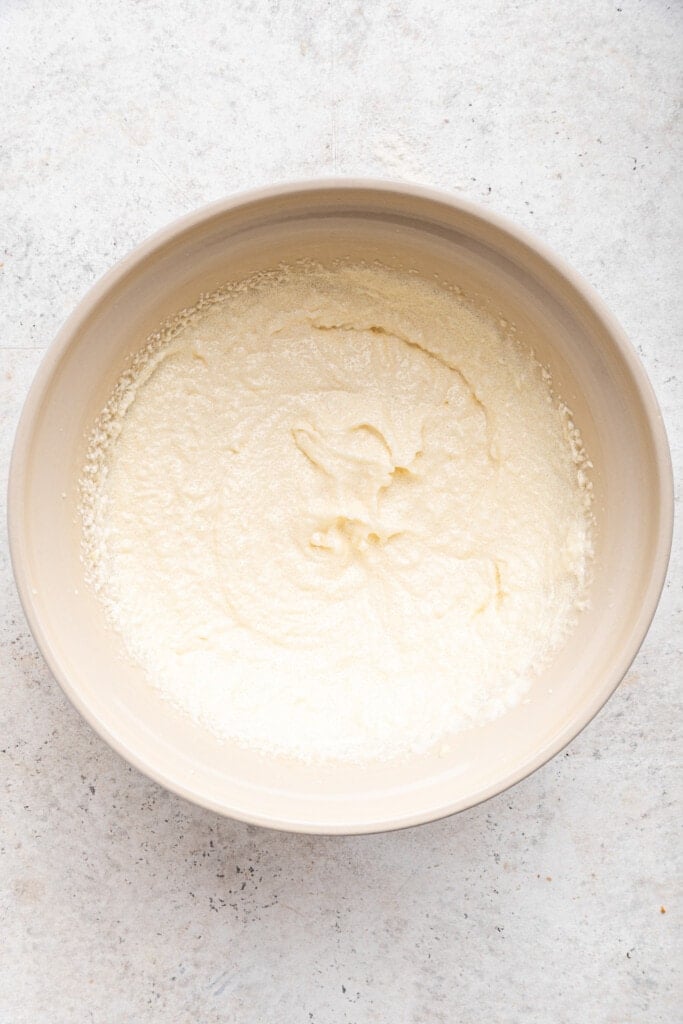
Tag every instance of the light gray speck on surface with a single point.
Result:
(557, 901)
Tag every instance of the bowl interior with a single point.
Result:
(595, 373)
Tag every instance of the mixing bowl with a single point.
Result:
(594, 368)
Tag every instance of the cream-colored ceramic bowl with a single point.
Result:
(594, 368)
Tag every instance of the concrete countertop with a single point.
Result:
(555, 902)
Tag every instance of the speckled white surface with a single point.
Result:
(121, 902)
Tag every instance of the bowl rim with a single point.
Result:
(50, 362)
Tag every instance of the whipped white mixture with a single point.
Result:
(338, 514)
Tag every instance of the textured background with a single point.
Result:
(122, 903)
